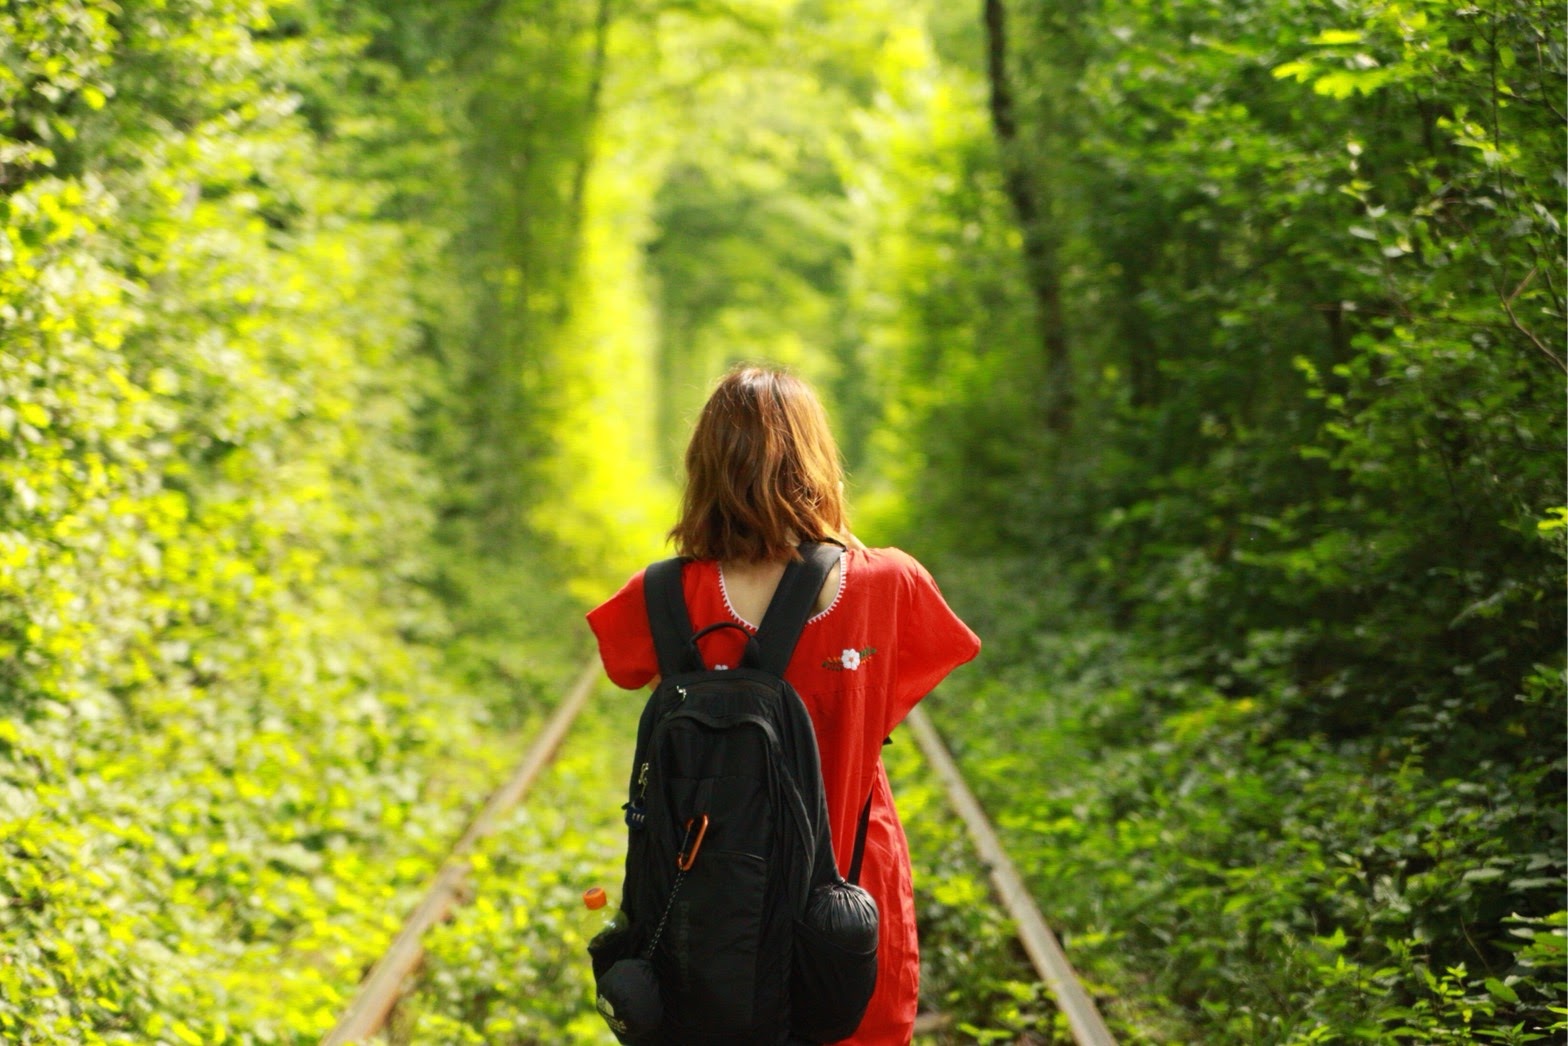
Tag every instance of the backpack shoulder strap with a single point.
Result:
(861, 828)
(792, 602)
(667, 617)
(859, 854)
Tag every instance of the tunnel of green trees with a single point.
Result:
(1211, 354)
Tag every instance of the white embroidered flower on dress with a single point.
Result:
(849, 659)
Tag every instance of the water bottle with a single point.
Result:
(628, 991)
(595, 899)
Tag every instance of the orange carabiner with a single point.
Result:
(689, 846)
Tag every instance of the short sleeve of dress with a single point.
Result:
(932, 641)
(620, 624)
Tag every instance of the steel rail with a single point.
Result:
(1083, 1018)
(378, 992)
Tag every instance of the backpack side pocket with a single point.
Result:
(834, 965)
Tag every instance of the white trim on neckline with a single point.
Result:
(843, 575)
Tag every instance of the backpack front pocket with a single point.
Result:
(710, 952)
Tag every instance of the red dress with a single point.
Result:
(887, 639)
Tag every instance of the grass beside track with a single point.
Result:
(511, 965)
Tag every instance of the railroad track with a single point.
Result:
(380, 989)
(378, 993)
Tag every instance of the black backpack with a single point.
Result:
(737, 929)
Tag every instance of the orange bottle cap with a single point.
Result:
(594, 897)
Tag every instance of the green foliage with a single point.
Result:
(1207, 866)
(941, 303)
(1312, 258)
(229, 755)
(550, 424)
(972, 969)
(1317, 339)
(345, 346)
(754, 171)
(512, 967)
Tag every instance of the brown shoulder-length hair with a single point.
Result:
(761, 467)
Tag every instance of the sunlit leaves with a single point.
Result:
(211, 516)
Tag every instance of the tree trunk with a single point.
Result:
(591, 107)
(1032, 205)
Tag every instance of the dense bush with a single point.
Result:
(1311, 260)
(1214, 870)
(222, 714)
(1280, 549)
